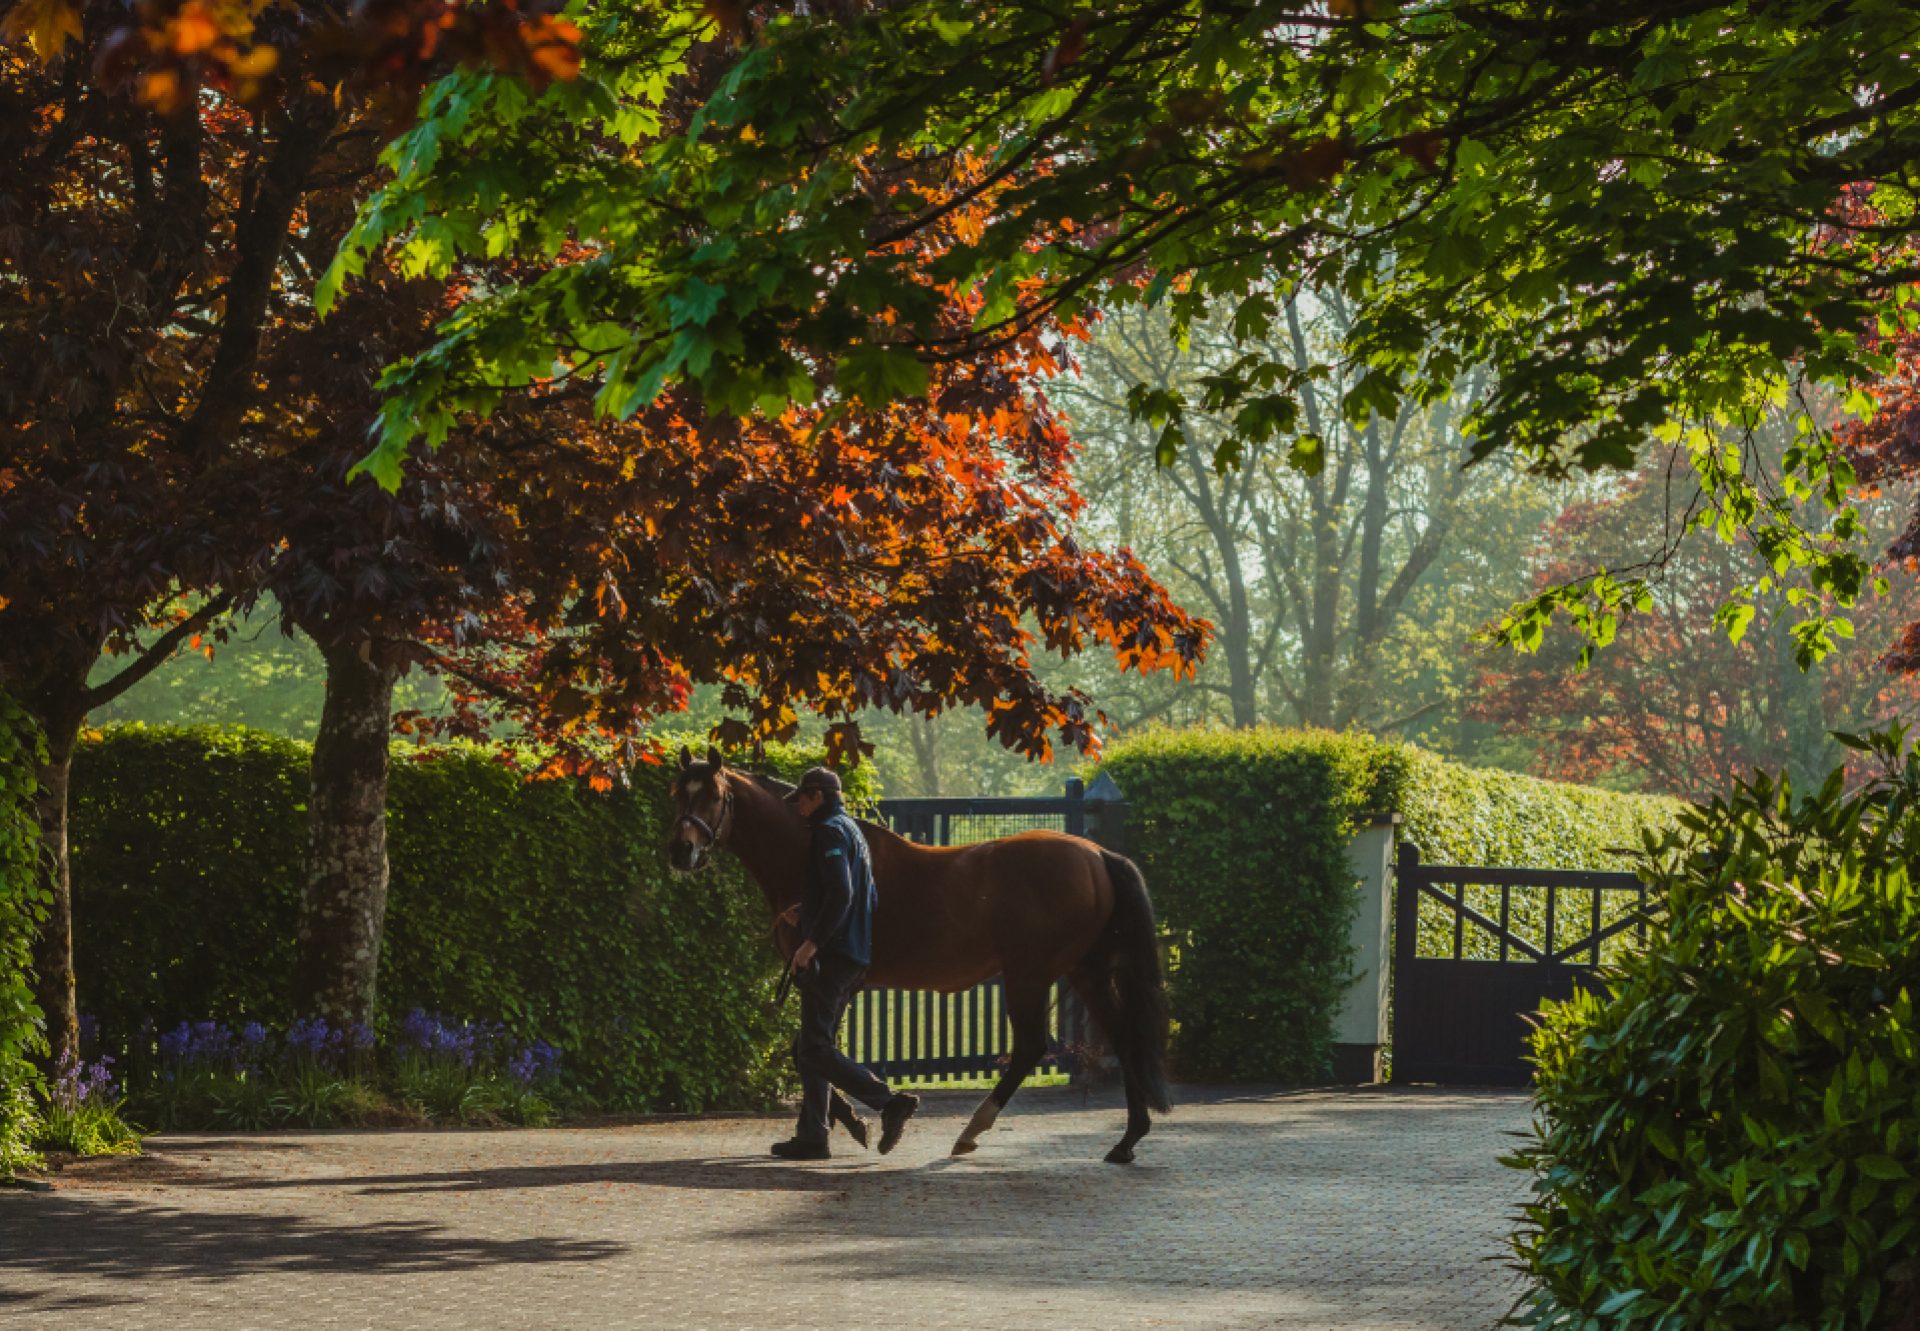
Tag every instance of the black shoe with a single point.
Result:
(893, 1119)
(799, 1148)
(842, 1113)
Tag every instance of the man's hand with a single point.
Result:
(791, 915)
(803, 955)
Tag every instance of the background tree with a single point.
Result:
(1343, 590)
(1883, 443)
(1672, 705)
(260, 677)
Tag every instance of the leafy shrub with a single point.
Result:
(1243, 836)
(1733, 1141)
(545, 905)
(23, 905)
(19, 1124)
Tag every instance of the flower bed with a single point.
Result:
(208, 1074)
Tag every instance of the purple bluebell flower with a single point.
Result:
(200, 1045)
(417, 1032)
(536, 1063)
(317, 1041)
(75, 1082)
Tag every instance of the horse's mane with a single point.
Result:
(874, 831)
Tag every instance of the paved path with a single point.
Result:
(1318, 1210)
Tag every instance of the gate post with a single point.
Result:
(1360, 1030)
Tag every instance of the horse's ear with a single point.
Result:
(686, 757)
(713, 756)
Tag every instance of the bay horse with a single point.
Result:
(1031, 908)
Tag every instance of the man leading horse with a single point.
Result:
(836, 947)
(1031, 908)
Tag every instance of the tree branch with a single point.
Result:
(153, 657)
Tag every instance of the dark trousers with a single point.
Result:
(825, 990)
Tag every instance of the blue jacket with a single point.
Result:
(836, 910)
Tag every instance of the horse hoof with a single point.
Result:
(964, 1147)
(1120, 1155)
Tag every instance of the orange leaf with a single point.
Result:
(160, 89)
(554, 45)
(45, 25)
(194, 30)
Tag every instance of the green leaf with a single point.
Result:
(1618, 1302)
(695, 302)
(1308, 454)
(878, 375)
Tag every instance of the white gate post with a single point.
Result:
(1360, 1031)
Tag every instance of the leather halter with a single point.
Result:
(712, 834)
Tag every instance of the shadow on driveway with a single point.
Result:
(93, 1236)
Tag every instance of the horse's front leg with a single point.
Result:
(1027, 1012)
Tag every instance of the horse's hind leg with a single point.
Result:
(1027, 1012)
(1094, 985)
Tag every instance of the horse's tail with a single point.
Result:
(1132, 948)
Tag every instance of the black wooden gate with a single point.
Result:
(915, 1036)
(1477, 950)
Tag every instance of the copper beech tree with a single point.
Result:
(179, 435)
(578, 577)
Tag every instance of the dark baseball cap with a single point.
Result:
(823, 779)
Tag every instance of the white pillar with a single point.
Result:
(1360, 1031)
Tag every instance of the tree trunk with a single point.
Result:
(924, 738)
(1319, 638)
(345, 905)
(53, 951)
(1236, 636)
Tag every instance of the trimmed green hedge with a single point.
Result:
(1472, 815)
(23, 905)
(1243, 837)
(543, 905)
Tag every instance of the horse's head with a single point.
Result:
(703, 810)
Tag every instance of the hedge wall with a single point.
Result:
(1471, 815)
(1243, 837)
(543, 905)
(23, 904)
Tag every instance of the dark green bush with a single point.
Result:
(1243, 836)
(543, 905)
(1733, 1140)
(23, 905)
